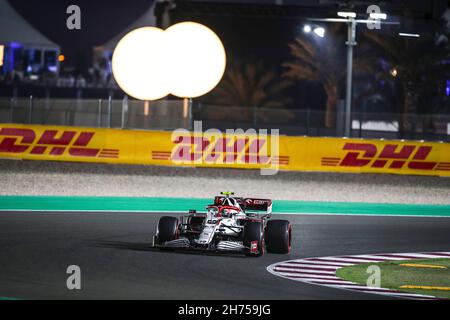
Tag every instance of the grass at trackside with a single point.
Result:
(68, 203)
(393, 275)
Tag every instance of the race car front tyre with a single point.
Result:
(167, 229)
(254, 238)
(278, 236)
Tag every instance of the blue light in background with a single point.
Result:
(447, 88)
(15, 45)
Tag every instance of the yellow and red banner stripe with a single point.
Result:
(57, 143)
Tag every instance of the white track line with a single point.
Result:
(324, 281)
(419, 256)
(312, 266)
(346, 260)
(379, 258)
(184, 212)
(322, 271)
(326, 263)
(441, 254)
(307, 275)
(300, 270)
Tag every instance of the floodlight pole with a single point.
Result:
(351, 42)
(191, 117)
(187, 111)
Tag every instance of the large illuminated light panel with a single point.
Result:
(187, 60)
(137, 64)
(2, 49)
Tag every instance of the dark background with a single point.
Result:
(251, 30)
(254, 28)
(247, 34)
(100, 21)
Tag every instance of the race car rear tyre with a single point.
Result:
(167, 229)
(278, 236)
(253, 233)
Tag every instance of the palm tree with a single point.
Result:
(252, 86)
(323, 62)
(416, 64)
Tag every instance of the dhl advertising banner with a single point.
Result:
(257, 151)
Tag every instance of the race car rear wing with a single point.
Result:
(219, 200)
(258, 205)
(251, 204)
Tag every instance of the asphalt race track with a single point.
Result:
(116, 261)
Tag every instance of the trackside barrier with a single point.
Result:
(56, 143)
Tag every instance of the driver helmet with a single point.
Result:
(231, 202)
(213, 211)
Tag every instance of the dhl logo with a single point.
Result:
(392, 156)
(227, 150)
(51, 142)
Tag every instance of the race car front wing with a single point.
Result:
(184, 243)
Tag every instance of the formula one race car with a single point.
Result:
(231, 224)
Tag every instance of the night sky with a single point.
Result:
(101, 20)
(246, 38)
